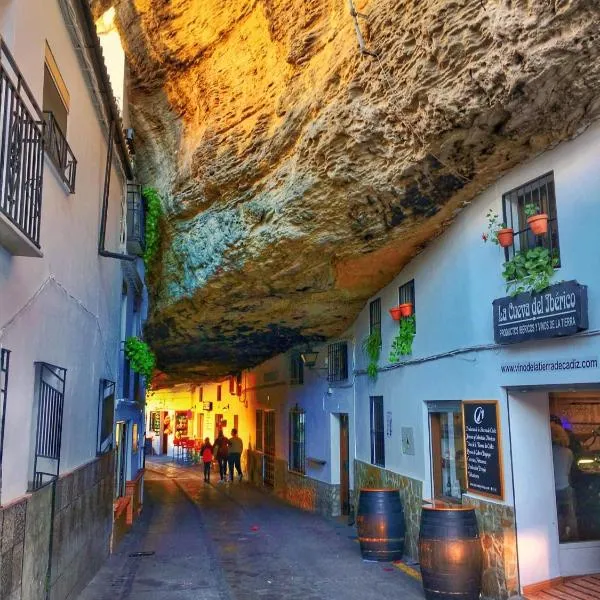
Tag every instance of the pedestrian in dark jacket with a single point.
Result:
(221, 449)
(206, 452)
(236, 446)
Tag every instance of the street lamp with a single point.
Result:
(309, 358)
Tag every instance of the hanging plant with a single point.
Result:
(498, 233)
(140, 356)
(153, 218)
(402, 344)
(529, 270)
(371, 346)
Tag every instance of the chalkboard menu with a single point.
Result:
(155, 421)
(483, 448)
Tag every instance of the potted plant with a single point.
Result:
(498, 232)
(529, 270)
(141, 357)
(395, 313)
(537, 221)
(402, 344)
(371, 346)
(406, 309)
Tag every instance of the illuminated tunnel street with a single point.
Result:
(221, 542)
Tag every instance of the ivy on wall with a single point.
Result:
(153, 218)
(140, 357)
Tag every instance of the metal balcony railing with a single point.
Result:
(21, 150)
(60, 152)
(136, 221)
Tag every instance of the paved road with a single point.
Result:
(233, 542)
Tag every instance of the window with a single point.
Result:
(296, 369)
(4, 363)
(201, 395)
(135, 439)
(539, 192)
(337, 361)
(218, 393)
(406, 293)
(447, 450)
(231, 385)
(106, 415)
(377, 431)
(259, 429)
(297, 440)
(50, 393)
(375, 316)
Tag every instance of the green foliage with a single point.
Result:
(402, 344)
(371, 346)
(531, 209)
(140, 356)
(494, 226)
(529, 270)
(153, 218)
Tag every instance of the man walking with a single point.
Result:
(221, 447)
(235, 454)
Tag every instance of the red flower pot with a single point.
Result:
(538, 223)
(505, 237)
(406, 309)
(395, 313)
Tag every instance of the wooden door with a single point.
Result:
(344, 464)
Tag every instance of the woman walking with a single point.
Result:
(206, 451)
(222, 450)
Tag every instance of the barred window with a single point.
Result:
(377, 431)
(297, 440)
(406, 293)
(337, 361)
(541, 194)
(259, 429)
(4, 364)
(375, 316)
(296, 369)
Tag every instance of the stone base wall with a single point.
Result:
(296, 489)
(411, 493)
(498, 538)
(81, 502)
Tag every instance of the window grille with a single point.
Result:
(259, 430)
(296, 369)
(297, 441)
(406, 293)
(4, 365)
(541, 193)
(337, 361)
(50, 384)
(375, 316)
(377, 431)
(106, 416)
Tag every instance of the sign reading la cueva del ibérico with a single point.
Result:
(560, 310)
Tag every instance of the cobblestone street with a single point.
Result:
(234, 542)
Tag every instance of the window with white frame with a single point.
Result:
(297, 453)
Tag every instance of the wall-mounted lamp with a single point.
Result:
(309, 358)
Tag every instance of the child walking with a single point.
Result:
(206, 451)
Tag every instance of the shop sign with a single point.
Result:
(483, 451)
(558, 311)
(207, 406)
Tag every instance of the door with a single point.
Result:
(344, 464)
(269, 456)
(575, 435)
(200, 426)
(121, 459)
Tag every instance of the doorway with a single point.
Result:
(269, 456)
(121, 459)
(344, 464)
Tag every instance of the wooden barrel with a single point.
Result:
(450, 553)
(380, 524)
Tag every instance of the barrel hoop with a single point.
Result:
(446, 539)
(365, 539)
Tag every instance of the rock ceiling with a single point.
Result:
(300, 175)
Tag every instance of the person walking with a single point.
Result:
(236, 445)
(222, 451)
(206, 452)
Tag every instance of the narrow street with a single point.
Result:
(235, 542)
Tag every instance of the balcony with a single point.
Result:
(21, 161)
(135, 220)
(60, 152)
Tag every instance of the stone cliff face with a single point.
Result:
(300, 175)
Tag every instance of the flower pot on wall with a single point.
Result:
(505, 237)
(538, 223)
(395, 313)
(406, 309)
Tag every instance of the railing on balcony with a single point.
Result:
(60, 152)
(135, 219)
(21, 151)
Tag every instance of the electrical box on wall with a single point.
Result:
(408, 441)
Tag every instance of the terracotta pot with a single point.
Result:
(406, 309)
(505, 237)
(395, 313)
(538, 223)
